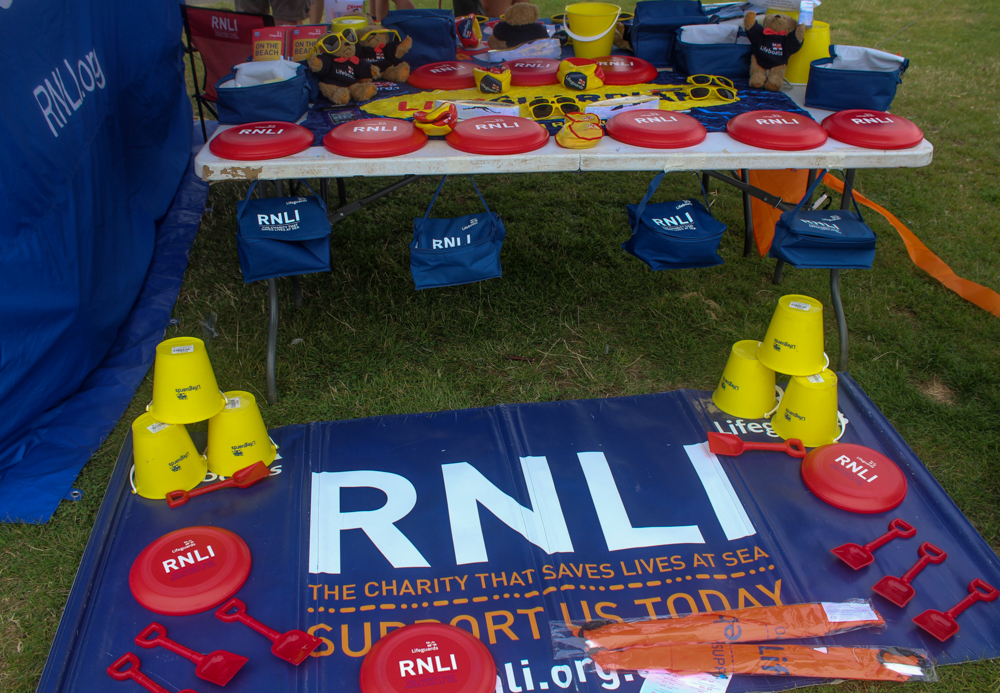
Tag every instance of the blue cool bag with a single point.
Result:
(673, 235)
(712, 49)
(824, 239)
(855, 77)
(282, 236)
(654, 29)
(433, 31)
(448, 252)
(286, 101)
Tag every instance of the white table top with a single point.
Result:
(717, 152)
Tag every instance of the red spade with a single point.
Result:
(898, 590)
(859, 556)
(292, 646)
(943, 625)
(248, 476)
(216, 667)
(119, 672)
(733, 445)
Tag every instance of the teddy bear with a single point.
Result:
(519, 25)
(771, 45)
(383, 49)
(342, 76)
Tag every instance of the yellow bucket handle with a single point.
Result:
(586, 39)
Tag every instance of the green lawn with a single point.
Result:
(575, 317)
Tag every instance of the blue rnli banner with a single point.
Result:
(508, 520)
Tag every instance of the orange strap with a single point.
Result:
(922, 257)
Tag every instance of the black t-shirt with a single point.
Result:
(772, 50)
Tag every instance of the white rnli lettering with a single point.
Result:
(189, 558)
(428, 665)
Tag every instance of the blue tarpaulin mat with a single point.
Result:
(507, 519)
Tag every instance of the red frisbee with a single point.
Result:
(497, 135)
(451, 74)
(189, 571)
(656, 129)
(776, 130)
(625, 69)
(434, 657)
(374, 138)
(533, 72)
(854, 478)
(872, 129)
(263, 140)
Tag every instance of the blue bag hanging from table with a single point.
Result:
(286, 101)
(673, 235)
(855, 77)
(433, 32)
(654, 29)
(449, 252)
(282, 236)
(824, 239)
(713, 49)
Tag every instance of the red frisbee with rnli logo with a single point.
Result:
(262, 140)
(451, 74)
(432, 657)
(656, 129)
(872, 129)
(189, 571)
(854, 478)
(375, 138)
(533, 72)
(497, 135)
(780, 130)
(626, 69)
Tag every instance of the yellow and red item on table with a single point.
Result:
(468, 30)
(438, 121)
(492, 80)
(580, 74)
(581, 131)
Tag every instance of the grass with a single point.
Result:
(574, 317)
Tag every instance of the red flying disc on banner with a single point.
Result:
(854, 478)
(189, 571)
(434, 657)
(497, 135)
(374, 138)
(625, 69)
(263, 140)
(776, 130)
(656, 129)
(451, 74)
(533, 72)
(872, 129)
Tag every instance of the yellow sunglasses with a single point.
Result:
(364, 36)
(543, 107)
(711, 80)
(333, 42)
(721, 93)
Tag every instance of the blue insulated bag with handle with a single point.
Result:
(433, 32)
(286, 101)
(713, 49)
(449, 252)
(824, 239)
(282, 236)
(673, 235)
(855, 77)
(654, 29)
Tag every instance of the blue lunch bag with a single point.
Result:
(855, 77)
(654, 29)
(286, 101)
(713, 49)
(433, 32)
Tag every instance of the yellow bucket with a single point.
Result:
(591, 25)
(184, 385)
(746, 388)
(348, 22)
(165, 458)
(815, 45)
(794, 341)
(808, 410)
(237, 436)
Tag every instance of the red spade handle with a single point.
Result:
(159, 639)
(248, 476)
(897, 528)
(118, 673)
(793, 446)
(928, 554)
(979, 591)
(241, 615)
(177, 498)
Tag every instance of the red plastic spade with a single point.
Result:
(292, 646)
(859, 556)
(119, 672)
(943, 625)
(897, 589)
(248, 476)
(216, 667)
(733, 445)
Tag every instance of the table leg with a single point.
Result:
(342, 191)
(748, 241)
(297, 291)
(272, 340)
(838, 306)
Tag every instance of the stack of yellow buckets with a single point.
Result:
(185, 391)
(793, 345)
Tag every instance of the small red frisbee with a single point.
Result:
(434, 657)
(189, 571)
(533, 72)
(497, 135)
(451, 74)
(375, 138)
(656, 129)
(872, 129)
(625, 69)
(854, 478)
(263, 140)
(776, 130)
